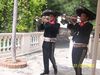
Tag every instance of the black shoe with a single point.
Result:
(44, 73)
(55, 71)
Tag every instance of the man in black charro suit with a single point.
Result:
(81, 35)
(51, 29)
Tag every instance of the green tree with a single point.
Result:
(69, 6)
(27, 11)
(5, 15)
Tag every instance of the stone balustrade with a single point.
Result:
(31, 42)
(25, 43)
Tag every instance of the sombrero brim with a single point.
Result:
(50, 12)
(89, 13)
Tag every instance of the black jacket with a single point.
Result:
(50, 30)
(81, 34)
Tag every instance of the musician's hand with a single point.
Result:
(73, 19)
(45, 19)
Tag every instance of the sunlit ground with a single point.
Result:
(63, 59)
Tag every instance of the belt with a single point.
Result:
(80, 45)
(47, 39)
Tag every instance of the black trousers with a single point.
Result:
(48, 53)
(78, 55)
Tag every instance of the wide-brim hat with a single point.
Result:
(89, 13)
(48, 12)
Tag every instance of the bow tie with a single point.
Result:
(81, 24)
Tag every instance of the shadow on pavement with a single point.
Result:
(62, 44)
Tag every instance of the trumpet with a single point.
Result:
(71, 17)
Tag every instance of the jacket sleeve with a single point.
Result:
(70, 26)
(87, 30)
(41, 27)
(73, 28)
(58, 27)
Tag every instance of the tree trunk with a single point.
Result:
(96, 39)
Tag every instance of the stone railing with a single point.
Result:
(32, 42)
(90, 52)
(25, 43)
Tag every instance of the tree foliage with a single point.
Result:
(69, 6)
(5, 15)
(27, 11)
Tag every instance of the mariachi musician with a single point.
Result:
(81, 35)
(51, 29)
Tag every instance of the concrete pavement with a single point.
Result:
(63, 59)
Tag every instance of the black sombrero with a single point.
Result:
(49, 12)
(89, 13)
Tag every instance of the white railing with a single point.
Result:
(91, 48)
(31, 42)
(25, 43)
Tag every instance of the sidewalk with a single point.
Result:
(35, 64)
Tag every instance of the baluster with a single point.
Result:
(8, 46)
(37, 40)
(19, 38)
(34, 40)
(31, 40)
(0, 45)
(4, 43)
(17, 42)
(10, 43)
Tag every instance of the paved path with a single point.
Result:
(63, 59)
